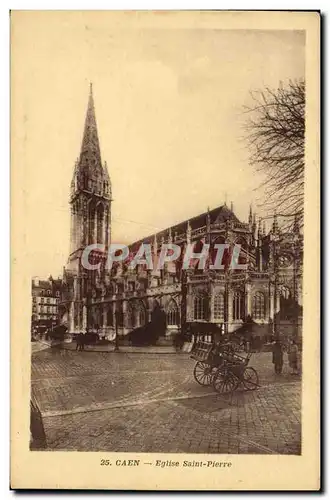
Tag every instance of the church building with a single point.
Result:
(121, 299)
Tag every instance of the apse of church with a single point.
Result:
(269, 290)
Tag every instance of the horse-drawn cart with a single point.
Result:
(222, 367)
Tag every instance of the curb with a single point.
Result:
(122, 350)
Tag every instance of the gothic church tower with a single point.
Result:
(90, 202)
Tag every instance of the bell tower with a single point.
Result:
(90, 205)
(90, 198)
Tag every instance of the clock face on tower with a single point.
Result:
(284, 260)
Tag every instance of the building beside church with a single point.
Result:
(46, 296)
(268, 291)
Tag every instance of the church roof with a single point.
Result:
(217, 216)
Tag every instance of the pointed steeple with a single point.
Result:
(188, 232)
(259, 229)
(250, 215)
(170, 238)
(275, 223)
(90, 147)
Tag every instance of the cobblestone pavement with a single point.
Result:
(151, 403)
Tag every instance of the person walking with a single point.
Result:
(278, 356)
(293, 357)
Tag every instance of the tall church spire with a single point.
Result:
(90, 147)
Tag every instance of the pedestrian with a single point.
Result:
(278, 356)
(293, 357)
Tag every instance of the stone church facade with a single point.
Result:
(268, 291)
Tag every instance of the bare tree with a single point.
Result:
(276, 136)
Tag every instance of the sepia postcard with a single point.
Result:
(165, 190)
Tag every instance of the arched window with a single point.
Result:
(100, 214)
(258, 306)
(97, 318)
(201, 304)
(140, 314)
(285, 292)
(219, 307)
(110, 315)
(238, 306)
(91, 224)
(129, 316)
(172, 314)
(242, 257)
(119, 315)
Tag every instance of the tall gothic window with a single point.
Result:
(172, 315)
(285, 292)
(238, 306)
(91, 225)
(258, 306)
(119, 315)
(110, 315)
(100, 214)
(201, 304)
(219, 307)
(140, 314)
(129, 316)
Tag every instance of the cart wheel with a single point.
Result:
(250, 379)
(203, 373)
(225, 383)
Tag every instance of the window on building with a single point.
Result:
(48, 301)
(34, 299)
(48, 292)
(258, 306)
(238, 306)
(219, 307)
(41, 300)
(201, 304)
(285, 292)
(119, 315)
(110, 315)
(170, 279)
(129, 316)
(172, 315)
(57, 294)
(140, 314)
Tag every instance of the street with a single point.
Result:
(132, 402)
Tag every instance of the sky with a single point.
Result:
(170, 113)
